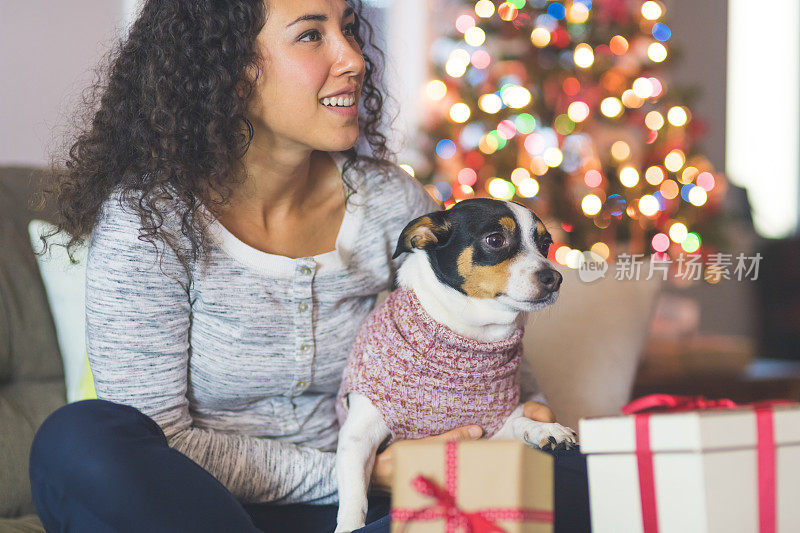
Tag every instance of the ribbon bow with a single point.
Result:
(670, 403)
(445, 504)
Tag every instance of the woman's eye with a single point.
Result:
(312, 32)
(351, 28)
(495, 240)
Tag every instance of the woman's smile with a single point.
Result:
(345, 105)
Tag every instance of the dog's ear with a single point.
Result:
(427, 231)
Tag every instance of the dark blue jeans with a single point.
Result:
(104, 467)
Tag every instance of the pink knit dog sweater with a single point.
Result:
(426, 379)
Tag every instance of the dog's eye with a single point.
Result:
(495, 240)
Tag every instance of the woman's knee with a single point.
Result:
(86, 429)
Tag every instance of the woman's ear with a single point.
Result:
(425, 232)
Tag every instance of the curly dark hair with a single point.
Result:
(171, 120)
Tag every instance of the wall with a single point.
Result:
(48, 49)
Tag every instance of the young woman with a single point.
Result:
(237, 240)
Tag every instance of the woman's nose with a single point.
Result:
(348, 59)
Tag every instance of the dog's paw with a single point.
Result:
(545, 435)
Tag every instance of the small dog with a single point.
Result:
(444, 349)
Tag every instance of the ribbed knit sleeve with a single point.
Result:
(138, 332)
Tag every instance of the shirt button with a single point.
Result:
(305, 347)
(305, 271)
(303, 306)
(301, 385)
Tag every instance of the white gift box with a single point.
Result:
(705, 471)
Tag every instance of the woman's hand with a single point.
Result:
(384, 461)
(538, 411)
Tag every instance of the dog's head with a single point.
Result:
(486, 248)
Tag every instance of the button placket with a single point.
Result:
(304, 323)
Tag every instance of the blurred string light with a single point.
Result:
(591, 204)
(705, 180)
(435, 89)
(651, 10)
(657, 52)
(620, 150)
(460, 112)
(618, 45)
(678, 232)
(445, 149)
(490, 103)
(611, 107)
(481, 59)
(578, 13)
(674, 160)
(661, 31)
(501, 189)
(484, 8)
(643, 88)
(629, 176)
(660, 242)
(557, 10)
(474, 36)
(677, 116)
(654, 175)
(648, 205)
(601, 250)
(654, 120)
(464, 23)
(578, 111)
(507, 11)
(540, 37)
(592, 178)
(584, 55)
(528, 188)
(691, 243)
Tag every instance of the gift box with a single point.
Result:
(471, 486)
(706, 467)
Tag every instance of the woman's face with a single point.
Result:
(308, 52)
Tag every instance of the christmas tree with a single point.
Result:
(566, 107)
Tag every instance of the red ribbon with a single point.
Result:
(445, 506)
(765, 449)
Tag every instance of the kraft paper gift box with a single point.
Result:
(708, 471)
(483, 486)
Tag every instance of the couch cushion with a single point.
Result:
(28, 346)
(24, 524)
(31, 371)
(23, 408)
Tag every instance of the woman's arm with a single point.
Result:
(138, 322)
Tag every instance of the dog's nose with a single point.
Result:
(549, 278)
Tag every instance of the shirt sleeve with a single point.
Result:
(415, 202)
(138, 318)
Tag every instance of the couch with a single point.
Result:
(584, 350)
(31, 372)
